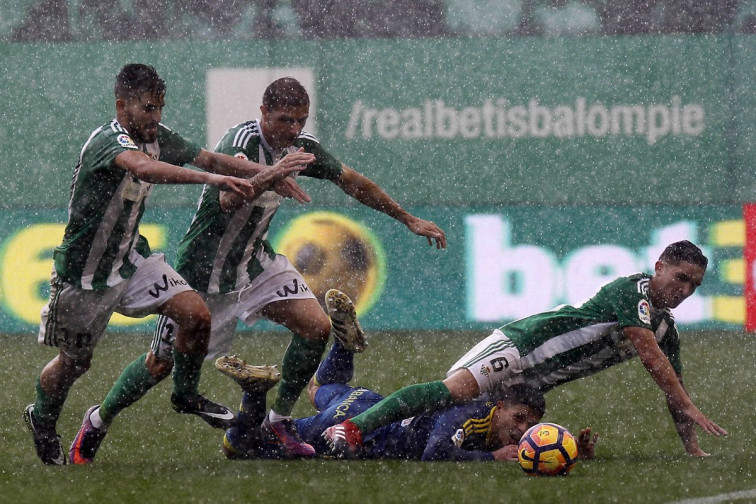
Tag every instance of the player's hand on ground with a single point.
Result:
(429, 230)
(695, 451)
(507, 453)
(587, 444)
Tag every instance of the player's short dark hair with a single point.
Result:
(285, 92)
(528, 395)
(135, 79)
(684, 251)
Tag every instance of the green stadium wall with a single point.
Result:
(556, 151)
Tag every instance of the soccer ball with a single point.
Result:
(547, 449)
(332, 251)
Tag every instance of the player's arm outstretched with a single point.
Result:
(370, 194)
(275, 178)
(158, 172)
(587, 444)
(223, 164)
(444, 441)
(678, 401)
(686, 428)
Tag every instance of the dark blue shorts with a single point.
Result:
(336, 402)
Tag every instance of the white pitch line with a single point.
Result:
(716, 499)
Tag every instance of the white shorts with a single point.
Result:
(75, 319)
(278, 282)
(493, 361)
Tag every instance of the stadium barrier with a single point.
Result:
(502, 263)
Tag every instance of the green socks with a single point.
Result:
(134, 382)
(404, 403)
(187, 369)
(47, 408)
(300, 362)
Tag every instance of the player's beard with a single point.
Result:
(147, 134)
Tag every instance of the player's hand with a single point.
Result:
(299, 157)
(429, 230)
(288, 165)
(288, 188)
(238, 186)
(507, 453)
(586, 444)
(695, 415)
(696, 452)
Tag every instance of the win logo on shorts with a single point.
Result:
(167, 283)
(296, 288)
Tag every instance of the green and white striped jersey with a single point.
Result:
(222, 252)
(102, 240)
(570, 342)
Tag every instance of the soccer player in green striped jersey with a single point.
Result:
(627, 317)
(226, 256)
(104, 265)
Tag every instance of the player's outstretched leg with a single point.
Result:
(345, 439)
(246, 439)
(253, 379)
(87, 440)
(214, 414)
(344, 325)
(49, 449)
(336, 367)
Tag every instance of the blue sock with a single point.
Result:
(244, 437)
(337, 367)
(251, 411)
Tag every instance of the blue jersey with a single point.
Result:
(459, 433)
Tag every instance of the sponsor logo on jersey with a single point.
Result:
(343, 408)
(644, 312)
(126, 141)
(485, 370)
(458, 438)
(241, 155)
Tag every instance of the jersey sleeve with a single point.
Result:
(226, 144)
(174, 148)
(325, 166)
(448, 438)
(628, 299)
(100, 152)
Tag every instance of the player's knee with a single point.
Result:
(320, 330)
(193, 335)
(188, 311)
(462, 386)
(315, 330)
(74, 367)
(200, 318)
(196, 321)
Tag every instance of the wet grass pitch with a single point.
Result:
(155, 455)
